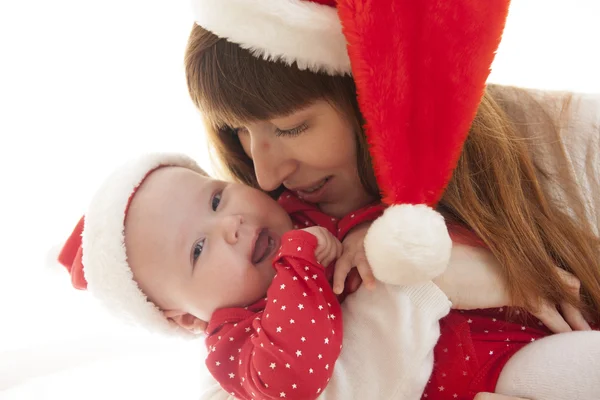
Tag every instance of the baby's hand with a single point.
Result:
(328, 248)
(353, 256)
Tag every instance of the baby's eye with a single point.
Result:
(216, 200)
(197, 250)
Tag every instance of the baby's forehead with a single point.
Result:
(168, 185)
(173, 180)
(176, 170)
(164, 201)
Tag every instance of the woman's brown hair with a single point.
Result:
(496, 192)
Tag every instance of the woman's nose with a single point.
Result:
(230, 228)
(272, 166)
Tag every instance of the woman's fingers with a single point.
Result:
(353, 281)
(342, 268)
(365, 271)
(571, 314)
(339, 249)
(549, 315)
(569, 279)
(574, 317)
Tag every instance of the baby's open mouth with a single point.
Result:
(263, 246)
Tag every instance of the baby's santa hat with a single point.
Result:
(95, 253)
(420, 68)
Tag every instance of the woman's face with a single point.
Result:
(312, 152)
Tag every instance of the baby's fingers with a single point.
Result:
(330, 251)
(323, 249)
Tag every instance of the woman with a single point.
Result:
(521, 208)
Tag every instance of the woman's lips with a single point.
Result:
(313, 193)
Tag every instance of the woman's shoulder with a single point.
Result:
(577, 119)
(580, 110)
(564, 128)
(571, 112)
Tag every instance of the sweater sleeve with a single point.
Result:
(390, 333)
(289, 349)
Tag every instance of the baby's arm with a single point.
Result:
(288, 350)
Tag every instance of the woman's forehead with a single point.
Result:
(241, 119)
(237, 116)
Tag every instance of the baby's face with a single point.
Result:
(196, 244)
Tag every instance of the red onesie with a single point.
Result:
(473, 348)
(284, 346)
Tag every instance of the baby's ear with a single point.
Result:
(187, 321)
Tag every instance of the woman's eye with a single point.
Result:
(291, 132)
(240, 131)
(216, 200)
(197, 250)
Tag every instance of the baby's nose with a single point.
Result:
(231, 228)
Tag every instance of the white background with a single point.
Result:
(86, 85)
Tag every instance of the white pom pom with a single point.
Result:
(408, 244)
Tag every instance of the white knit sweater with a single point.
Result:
(390, 332)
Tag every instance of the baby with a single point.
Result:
(222, 259)
(174, 250)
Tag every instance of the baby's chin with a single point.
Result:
(267, 271)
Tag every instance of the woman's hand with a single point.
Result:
(353, 256)
(473, 280)
(571, 318)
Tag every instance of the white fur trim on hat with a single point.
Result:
(304, 32)
(108, 275)
(408, 244)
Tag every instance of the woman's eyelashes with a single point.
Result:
(278, 132)
(293, 131)
(239, 131)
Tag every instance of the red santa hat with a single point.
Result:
(420, 68)
(95, 253)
